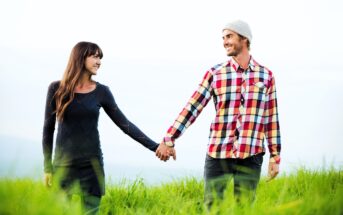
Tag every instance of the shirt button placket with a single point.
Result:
(242, 73)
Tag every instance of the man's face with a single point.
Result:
(233, 44)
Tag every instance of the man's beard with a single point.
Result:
(235, 52)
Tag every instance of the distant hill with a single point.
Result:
(24, 158)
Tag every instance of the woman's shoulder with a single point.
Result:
(102, 87)
(54, 85)
(103, 91)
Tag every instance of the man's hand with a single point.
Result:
(47, 179)
(163, 152)
(273, 170)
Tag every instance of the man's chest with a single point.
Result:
(233, 86)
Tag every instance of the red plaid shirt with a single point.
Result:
(246, 111)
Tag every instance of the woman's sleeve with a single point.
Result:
(113, 111)
(49, 127)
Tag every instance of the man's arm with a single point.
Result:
(187, 116)
(272, 131)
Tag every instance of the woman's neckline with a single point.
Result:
(96, 86)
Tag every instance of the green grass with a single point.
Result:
(304, 192)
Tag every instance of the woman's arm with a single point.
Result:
(113, 111)
(49, 127)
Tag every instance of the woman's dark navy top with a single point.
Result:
(77, 141)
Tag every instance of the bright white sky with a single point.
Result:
(155, 55)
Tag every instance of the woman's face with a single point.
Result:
(92, 63)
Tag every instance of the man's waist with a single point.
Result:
(223, 151)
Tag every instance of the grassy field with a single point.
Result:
(304, 192)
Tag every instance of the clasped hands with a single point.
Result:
(164, 152)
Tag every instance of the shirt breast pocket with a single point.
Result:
(257, 91)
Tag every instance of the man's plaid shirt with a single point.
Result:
(246, 111)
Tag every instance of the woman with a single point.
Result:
(75, 102)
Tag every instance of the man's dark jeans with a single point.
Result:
(245, 173)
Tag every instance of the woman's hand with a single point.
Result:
(163, 152)
(47, 179)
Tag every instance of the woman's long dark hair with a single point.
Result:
(72, 74)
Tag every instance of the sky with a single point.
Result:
(155, 55)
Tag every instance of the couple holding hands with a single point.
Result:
(244, 96)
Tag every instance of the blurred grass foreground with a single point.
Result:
(303, 192)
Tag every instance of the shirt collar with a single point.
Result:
(253, 65)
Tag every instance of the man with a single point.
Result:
(246, 112)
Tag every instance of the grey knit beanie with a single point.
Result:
(239, 27)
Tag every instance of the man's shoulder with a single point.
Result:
(218, 67)
(260, 68)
